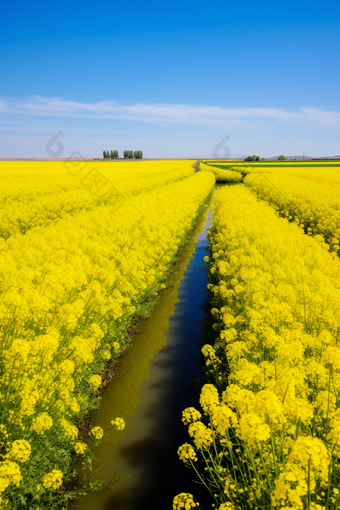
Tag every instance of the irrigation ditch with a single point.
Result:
(139, 466)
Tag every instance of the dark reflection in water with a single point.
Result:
(140, 466)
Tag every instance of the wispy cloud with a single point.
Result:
(214, 116)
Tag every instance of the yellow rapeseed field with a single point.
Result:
(85, 247)
(76, 266)
(319, 169)
(309, 196)
(269, 429)
(39, 193)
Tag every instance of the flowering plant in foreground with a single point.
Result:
(270, 432)
(68, 294)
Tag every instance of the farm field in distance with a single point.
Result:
(86, 250)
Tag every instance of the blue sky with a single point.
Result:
(170, 78)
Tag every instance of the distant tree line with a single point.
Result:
(257, 158)
(253, 158)
(131, 154)
(127, 154)
(110, 155)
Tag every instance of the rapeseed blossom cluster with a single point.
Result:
(184, 501)
(9, 474)
(97, 432)
(270, 433)
(53, 480)
(118, 423)
(190, 414)
(186, 452)
(20, 451)
(41, 423)
(69, 290)
(80, 448)
(95, 381)
(202, 435)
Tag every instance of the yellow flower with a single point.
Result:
(42, 423)
(186, 453)
(290, 488)
(253, 429)
(209, 398)
(80, 448)
(223, 419)
(201, 434)
(95, 381)
(106, 355)
(118, 423)
(184, 501)
(311, 453)
(9, 473)
(69, 429)
(190, 414)
(20, 451)
(97, 432)
(269, 407)
(53, 480)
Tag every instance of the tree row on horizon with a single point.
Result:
(128, 154)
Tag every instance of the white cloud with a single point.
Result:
(213, 116)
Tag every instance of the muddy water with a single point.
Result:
(140, 466)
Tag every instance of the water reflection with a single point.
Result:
(150, 392)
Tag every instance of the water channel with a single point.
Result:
(140, 466)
